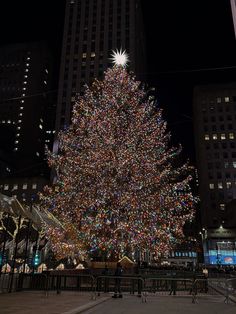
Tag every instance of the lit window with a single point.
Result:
(23, 95)
(46, 70)
(24, 187)
(20, 114)
(6, 187)
(25, 76)
(8, 121)
(92, 54)
(3, 121)
(218, 100)
(28, 58)
(15, 186)
(26, 70)
(18, 128)
(207, 137)
(40, 126)
(15, 149)
(22, 101)
(16, 142)
(231, 136)
(19, 121)
(234, 164)
(25, 82)
(21, 108)
(24, 88)
(226, 99)
(27, 64)
(45, 82)
(220, 185)
(37, 154)
(84, 55)
(18, 134)
(222, 136)
(34, 186)
(211, 186)
(214, 136)
(228, 184)
(222, 206)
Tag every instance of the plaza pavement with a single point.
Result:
(80, 302)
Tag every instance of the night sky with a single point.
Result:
(183, 38)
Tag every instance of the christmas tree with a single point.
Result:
(117, 187)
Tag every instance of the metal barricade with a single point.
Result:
(81, 282)
(9, 282)
(57, 282)
(230, 289)
(130, 284)
(164, 286)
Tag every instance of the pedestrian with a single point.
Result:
(118, 274)
(106, 280)
(173, 284)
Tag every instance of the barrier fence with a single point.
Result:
(140, 286)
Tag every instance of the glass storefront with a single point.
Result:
(218, 252)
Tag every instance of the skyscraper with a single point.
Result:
(92, 29)
(214, 109)
(27, 112)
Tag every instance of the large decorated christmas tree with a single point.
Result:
(118, 187)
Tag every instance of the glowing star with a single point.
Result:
(119, 58)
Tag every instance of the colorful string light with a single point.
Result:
(119, 187)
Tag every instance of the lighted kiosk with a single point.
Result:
(220, 247)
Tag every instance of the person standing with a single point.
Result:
(118, 274)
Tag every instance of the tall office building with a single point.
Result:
(92, 29)
(214, 108)
(27, 114)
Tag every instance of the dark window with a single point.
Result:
(222, 127)
(210, 165)
(213, 127)
(225, 155)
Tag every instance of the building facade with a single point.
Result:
(27, 112)
(92, 29)
(214, 111)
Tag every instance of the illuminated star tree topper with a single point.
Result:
(120, 58)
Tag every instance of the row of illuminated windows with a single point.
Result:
(183, 254)
(220, 185)
(219, 100)
(221, 136)
(16, 186)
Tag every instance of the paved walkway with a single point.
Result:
(37, 303)
(164, 305)
(80, 302)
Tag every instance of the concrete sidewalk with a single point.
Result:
(29, 302)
